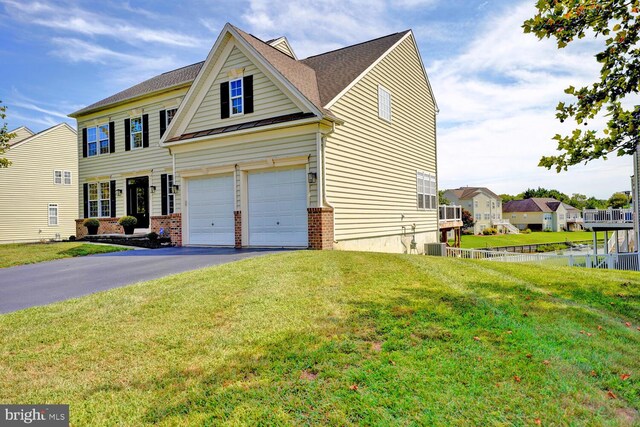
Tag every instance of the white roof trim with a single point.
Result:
(187, 102)
(286, 41)
(23, 127)
(44, 132)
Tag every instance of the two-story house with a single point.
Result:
(254, 147)
(540, 214)
(39, 191)
(484, 205)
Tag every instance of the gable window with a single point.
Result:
(57, 177)
(67, 178)
(478, 217)
(99, 199)
(426, 189)
(53, 214)
(169, 115)
(235, 95)
(136, 133)
(384, 103)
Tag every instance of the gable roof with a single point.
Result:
(320, 78)
(15, 140)
(535, 204)
(338, 68)
(465, 193)
(35, 136)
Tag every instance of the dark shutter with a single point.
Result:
(85, 199)
(84, 142)
(113, 198)
(112, 137)
(163, 122)
(145, 130)
(247, 91)
(224, 100)
(127, 134)
(164, 193)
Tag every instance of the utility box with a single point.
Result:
(435, 249)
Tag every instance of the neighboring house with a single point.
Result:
(254, 147)
(39, 191)
(539, 214)
(484, 205)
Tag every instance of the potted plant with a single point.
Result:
(128, 223)
(92, 225)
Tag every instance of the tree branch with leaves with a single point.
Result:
(618, 22)
(5, 137)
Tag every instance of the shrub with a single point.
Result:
(91, 222)
(547, 230)
(72, 238)
(526, 231)
(152, 236)
(489, 231)
(128, 221)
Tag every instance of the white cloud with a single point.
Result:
(497, 101)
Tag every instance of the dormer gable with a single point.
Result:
(283, 45)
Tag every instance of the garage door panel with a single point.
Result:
(278, 208)
(211, 206)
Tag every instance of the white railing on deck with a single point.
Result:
(622, 261)
(608, 216)
(450, 213)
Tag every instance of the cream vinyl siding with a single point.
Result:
(232, 151)
(371, 163)
(268, 100)
(20, 134)
(284, 47)
(151, 161)
(27, 188)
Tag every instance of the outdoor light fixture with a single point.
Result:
(176, 188)
(119, 192)
(152, 188)
(312, 177)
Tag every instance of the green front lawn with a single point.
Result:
(526, 239)
(30, 253)
(338, 338)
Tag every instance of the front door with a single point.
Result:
(138, 200)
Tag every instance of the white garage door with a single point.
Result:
(278, 208)
(210, 204)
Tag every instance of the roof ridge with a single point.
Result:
(175, 69)
(354, 45)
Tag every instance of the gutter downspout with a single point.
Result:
(322, 189)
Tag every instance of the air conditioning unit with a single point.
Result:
(435, 249)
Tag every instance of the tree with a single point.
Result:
(507, 198)
(467, 219)
(618, 200)
(593, 203)
(443, 200)
(5, 137)
(578, 201)
(543, 192)
(619, 22)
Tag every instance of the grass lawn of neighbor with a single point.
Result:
(338, 338)
(470, 241)
(30, 253)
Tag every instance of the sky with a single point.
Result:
(496, 87)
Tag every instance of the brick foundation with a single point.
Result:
(320, 223)
(172, 225)
(237, 219)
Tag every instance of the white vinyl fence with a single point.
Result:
(628, 261)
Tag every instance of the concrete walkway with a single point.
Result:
(39, 284)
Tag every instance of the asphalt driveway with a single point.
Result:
(39, 284)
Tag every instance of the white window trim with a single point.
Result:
(51, 205)
(384, 104)
(97, 141)
(99, 200)
(167, 121)
(55, 177)
(429, 193)
(131, 133)
(64, 177)
(170, 194)
(241, 97)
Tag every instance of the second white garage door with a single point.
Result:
(210, 204)
(278, 208)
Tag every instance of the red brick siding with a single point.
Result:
(320, 223)
(172, 225)
(107, 226)
(237, 218)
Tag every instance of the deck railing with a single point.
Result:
(450, 213)
(608, 216)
